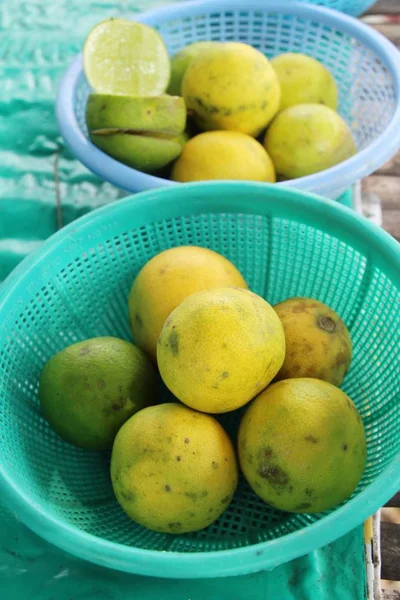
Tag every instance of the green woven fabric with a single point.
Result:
(31, 568)
(38, 40)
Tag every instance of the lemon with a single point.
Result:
(231, 86)
(318, 343)
(180, 63)
(223, 155)
(166, 280)
(88, 390)
(304, 80)
(126, 57)
(302, 445)
(219, 348)
(308, 138)
(173, 469)
(144, 115)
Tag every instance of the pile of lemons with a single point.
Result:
(217, 347)
(217, 110)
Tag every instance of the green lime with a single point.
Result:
(125, 57)
(88, 390)
(165, 114)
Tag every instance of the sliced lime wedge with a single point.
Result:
(125, 57)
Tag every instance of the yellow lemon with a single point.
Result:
(302, 445)
(304, 80)
(231, 86)
(223, 155)
(173, 469)
(308, 138)
(166, 280)
(219, 348)
(318, 343)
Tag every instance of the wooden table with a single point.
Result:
(385, 17)
(385, 183)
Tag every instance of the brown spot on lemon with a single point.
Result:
(173, 342)
(85, 350)
(342, 359)
(191, 495)
(327, 324)
(274, 474)
(175, 527)
(303, 506)
(311, 438)
(268, 452)
(127, 495)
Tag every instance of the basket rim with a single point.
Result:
(358, 166)
(219, 563)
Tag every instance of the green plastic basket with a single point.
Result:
(286, 243)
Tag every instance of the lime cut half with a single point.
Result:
(125, 57)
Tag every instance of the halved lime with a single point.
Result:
(150, 113)
(126, 57)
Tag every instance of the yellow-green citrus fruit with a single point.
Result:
(318, 343)
(304, 80)
(88, 390)
(166, 280)
(173, 469)
(308, 138)
(302, 445)
(223, 155)
(219, 348)
(231, 86)
(180, 63)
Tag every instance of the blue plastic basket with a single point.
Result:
(365, 64)
(285, 243)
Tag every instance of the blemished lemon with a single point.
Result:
(302, 445)
(219, 348)
(173, 469)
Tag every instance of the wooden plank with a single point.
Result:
(392, 167)
(395, 501)
(387, 187)
(389, 30)
(390, 551)
(390, 595)
(388, 190)
(385, 7)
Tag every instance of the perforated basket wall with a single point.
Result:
(76, 287)
(365, 65)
